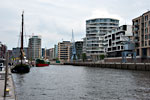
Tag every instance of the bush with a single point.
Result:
(102, 57)
(84, 57)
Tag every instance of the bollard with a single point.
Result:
(7, 92)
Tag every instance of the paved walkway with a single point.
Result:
(10, 86)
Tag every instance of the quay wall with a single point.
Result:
(129, 60)
(127, 66)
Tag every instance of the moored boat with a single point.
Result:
(42, 63)
(21, 67)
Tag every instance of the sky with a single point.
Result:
(54, 20)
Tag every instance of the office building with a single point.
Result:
(55, 51)
(64, 51)
(47, 53)
(16, 53)
(79, 48)
(43, 53)
(95, 31)
(51, 54)
(84, 45)
(35, 47)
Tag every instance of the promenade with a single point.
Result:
(10, 86)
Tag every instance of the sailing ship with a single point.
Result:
(21, 67)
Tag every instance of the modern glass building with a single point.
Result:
(79, 48)
(16, 52)
(114, 40)
(35, 47)
(95, 31)
(55, 51)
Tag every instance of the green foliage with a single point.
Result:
(57, 59)
(102, 57)
(79, 56)
(84, 57)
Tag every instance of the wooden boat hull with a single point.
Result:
(20, 69)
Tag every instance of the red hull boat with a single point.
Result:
(41, 65)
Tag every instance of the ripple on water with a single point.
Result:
(82, 83)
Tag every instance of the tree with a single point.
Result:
(84, 57)
(102, 57)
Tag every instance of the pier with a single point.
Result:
(10, 87)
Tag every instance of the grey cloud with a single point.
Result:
(54, 19)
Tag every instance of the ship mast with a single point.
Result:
(21, 49)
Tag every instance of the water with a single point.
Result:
(59, 82)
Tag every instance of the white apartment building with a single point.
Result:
(113, 40)
(96, 29)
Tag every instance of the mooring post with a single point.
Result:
(6, 75)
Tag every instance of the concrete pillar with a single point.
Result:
(140, 51)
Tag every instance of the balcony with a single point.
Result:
(136, 23)
(136, 40)
(136, 35)
(136, 29)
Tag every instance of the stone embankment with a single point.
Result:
(54, 63)
(128, 66)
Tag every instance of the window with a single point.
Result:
(118, 47)
(121, 47)
(145, 24)
(146, 30)
(137, 51)
(146, 37)
(145, 43)
(146, 18)
(142, 43)
(113, 36)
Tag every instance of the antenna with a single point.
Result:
(72, 40)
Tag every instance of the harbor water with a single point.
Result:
(66, 82)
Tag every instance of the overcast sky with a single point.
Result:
(55, 19)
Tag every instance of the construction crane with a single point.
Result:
(74, 55)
